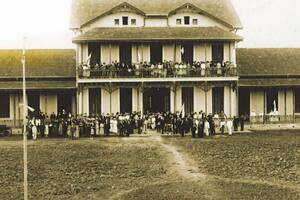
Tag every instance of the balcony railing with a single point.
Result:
(156, 71)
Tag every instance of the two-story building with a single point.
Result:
(154, 56)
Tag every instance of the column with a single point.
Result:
(141, 100)
(178, 99)
(79, 101)
(85, 101)
(172, 99)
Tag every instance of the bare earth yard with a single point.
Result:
(246, 166)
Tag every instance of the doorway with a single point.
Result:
(244, 102)
(126, 100)
(125, 51)
(155, 53)
(156, 100)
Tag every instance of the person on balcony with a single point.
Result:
(219, 69)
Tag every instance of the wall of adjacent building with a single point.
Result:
(48, 105)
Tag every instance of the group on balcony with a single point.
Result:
(158, 70)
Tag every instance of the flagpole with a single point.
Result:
(24, 125)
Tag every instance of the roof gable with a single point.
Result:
(123, 7)
(84, 11)
(190, 8)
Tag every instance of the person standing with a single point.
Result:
(222, 117)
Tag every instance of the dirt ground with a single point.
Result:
(244, 166)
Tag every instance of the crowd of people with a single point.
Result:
(124, 124)
(166, 68)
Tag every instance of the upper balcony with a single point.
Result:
(164, 72)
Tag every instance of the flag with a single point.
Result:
(182, 50)
(88, 61)
(182, 110)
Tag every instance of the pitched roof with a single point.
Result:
(268, 61)
(269, 82)
(157, 33)
(84, 11)
(39, 63)
(39, 85)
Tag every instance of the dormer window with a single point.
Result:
(125, 21)
(186, 20)
(178, 21)
(195, 21)
(133, 22)
(117, 22)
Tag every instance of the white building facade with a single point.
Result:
(134, 57)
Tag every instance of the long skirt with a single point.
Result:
(77, 132)
(97, 130)
(101, 129)
(46, 130)
(34, 132)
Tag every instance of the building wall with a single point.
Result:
(199, 100)
(156, 22)
(105, 99)
(115, 101)
(289, 102)
(48, 103)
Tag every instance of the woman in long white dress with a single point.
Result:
(34, 132)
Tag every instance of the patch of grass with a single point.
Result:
(83, 169)
(216, 190)
(266, 156)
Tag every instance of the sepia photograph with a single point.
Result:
(149, 100)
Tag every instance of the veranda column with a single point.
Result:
(141, 100)
(80, 103)
(172, 99)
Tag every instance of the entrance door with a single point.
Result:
(244, 102)
(64, 102)
(188, 99)
(33, 100)
(126, 100)
(187, 54)
(218, 52)
(94, 101)
(156, 53)
(94, 51)
(272, 96)
(156, 100)
(218, 99)
(125, 53)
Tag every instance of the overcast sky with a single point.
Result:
(267, 23)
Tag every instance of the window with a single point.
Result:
(125, 21)
(4, 106)
(178, 21)
(133, 21)
(195, 21)
(117, 22)
(297, 100)
(186, 20)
